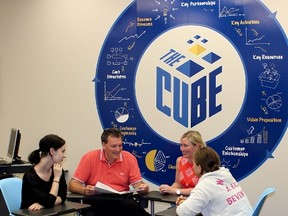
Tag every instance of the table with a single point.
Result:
(65, 208)
(156, 196)
(168, 212)
(82, 198)
(103, 197)
(14, 168)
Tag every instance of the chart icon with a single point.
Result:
(155, 160)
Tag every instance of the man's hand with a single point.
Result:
(90, 190)
(143, 188)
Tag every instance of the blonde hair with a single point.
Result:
(194, 137)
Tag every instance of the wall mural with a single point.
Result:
(218, 67)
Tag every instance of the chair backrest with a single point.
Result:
(261, 200)
(11, 191)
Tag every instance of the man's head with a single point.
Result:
(112, 143)
(112, 132)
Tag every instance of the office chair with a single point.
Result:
(11, 192)
(261, 200)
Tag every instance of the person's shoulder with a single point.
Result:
(180, 158)
(30, 171)
(30, 175)
(92, 153)
(126, 153)
(221, 174)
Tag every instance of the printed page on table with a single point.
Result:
(103, 188)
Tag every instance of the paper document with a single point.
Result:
(103, 188)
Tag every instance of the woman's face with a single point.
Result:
(58, 155)
(187, 148)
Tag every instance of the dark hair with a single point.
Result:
(207, 158)
(47, 142)
(113, 132)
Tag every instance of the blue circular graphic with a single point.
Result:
(261, 45)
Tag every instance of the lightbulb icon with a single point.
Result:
(165, 10)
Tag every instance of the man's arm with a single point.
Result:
(76, 186)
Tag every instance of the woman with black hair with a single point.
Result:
(44, 185)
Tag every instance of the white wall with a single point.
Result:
(48, 55)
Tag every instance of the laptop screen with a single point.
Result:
(14, 142)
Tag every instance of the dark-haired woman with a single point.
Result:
(217, 192)
(44, 184)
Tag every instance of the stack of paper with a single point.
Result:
(103, 188)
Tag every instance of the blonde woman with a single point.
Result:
(185, 178)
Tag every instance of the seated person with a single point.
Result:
(114, 167)
(216, 190)
(44, 185)
(185, 178)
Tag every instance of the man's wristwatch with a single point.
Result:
(178, 192)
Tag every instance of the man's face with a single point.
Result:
(112, 148)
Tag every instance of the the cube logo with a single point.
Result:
(190, 80)
(192, 102)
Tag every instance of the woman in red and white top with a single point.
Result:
(185, 178)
